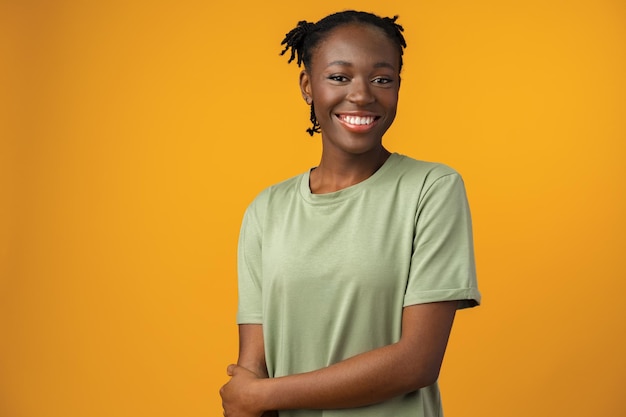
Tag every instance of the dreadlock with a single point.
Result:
(303, 39)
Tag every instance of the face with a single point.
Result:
(353, 80)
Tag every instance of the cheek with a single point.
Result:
(389, 99)
(326, 94)
(326, 99)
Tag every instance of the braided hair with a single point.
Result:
(303, 39)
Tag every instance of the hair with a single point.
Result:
(304, 38)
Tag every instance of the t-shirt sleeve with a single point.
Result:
(249, 267)
(442, 263)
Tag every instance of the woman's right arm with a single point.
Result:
(252, 349)
(252, 353)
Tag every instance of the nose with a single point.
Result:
(360, 92)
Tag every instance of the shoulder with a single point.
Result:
(277, 193)
(422, 174)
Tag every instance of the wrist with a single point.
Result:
(262, 394)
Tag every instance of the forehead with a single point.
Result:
(357, 44)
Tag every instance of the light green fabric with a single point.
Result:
(328, 274)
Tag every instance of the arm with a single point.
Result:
(251, 358)
(252, 349)
(371, 377)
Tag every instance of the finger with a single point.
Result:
(230, 370)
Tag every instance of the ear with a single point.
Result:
(305, 86)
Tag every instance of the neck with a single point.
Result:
(336, 172)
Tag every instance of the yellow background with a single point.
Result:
(135, 133)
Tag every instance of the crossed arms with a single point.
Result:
(368, 378)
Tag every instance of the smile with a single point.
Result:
(357, 120)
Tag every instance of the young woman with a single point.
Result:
(350, 274)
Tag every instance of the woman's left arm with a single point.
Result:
(368, 378)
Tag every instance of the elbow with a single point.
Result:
(422, 378)
(430, 378)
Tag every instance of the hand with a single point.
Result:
(239, 397)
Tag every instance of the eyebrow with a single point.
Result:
(381, 64)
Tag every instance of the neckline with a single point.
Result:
(345, 193)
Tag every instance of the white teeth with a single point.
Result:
(357, 120)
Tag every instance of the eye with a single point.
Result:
(382, 80)
(338, 78)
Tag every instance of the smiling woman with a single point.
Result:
(350, 274)
(354, 82)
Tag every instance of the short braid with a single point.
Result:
(305, 37)
(316, 125)
(294, 39)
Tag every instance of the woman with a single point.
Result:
(350, 274)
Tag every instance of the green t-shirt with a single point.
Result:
(328, 274)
